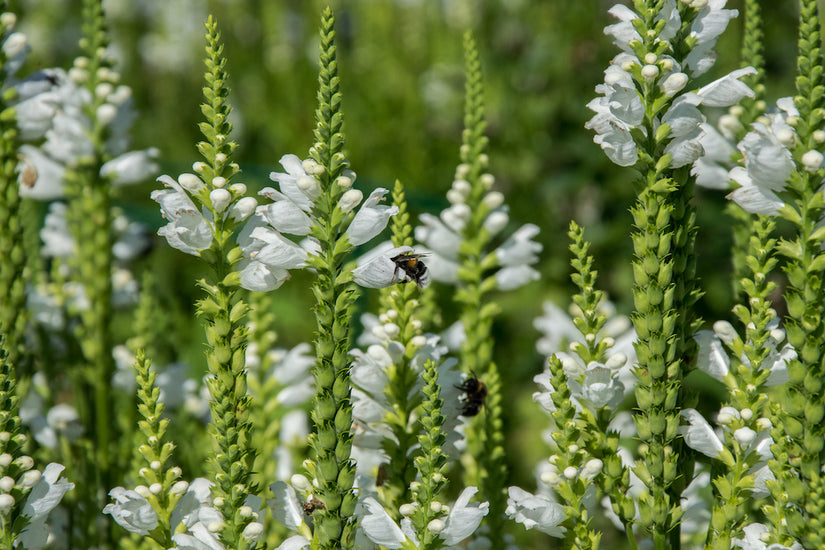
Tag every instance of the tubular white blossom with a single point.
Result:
(699, 435)
(187, 230)
(535, 512)
(371, 218)
(377, 270)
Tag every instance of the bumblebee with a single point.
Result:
(409, 265)
(311, 505)
(475, 393)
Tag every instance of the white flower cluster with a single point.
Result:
(268, 254)
(371, 379)
(43, 491)
(53, 104)
(594, 385)
(194, 522)
(620, 111)
(459, 521)
(442, 236)
(191, 229)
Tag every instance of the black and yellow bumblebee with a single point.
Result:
(409, 265)
(475, 394)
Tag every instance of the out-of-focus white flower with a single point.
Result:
(42, 499)
(188, 230)
(768, 161)
(699, 435)
(753, 540)
(132, 167)
(48, 175)
(535, 512)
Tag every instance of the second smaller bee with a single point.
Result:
(311, 505)
(410, 265)
(475, 394)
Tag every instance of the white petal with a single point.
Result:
(285, 506)
(520, 248)
(284, 215)
(131, 511)
(277, 250)
(131, 167)
(712, 357)
(371, 218)
(49, 183)
(437, 237)
(380, 271)
(699, 435)
(752, 198)
(512, 277)
(464, 517)
(47, 493)
(727, 90)
(295, 542)
(535, 512)
(379, 526)
(200, 539)
(260, 277)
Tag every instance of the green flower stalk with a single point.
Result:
(27, 495)
(747, 411)
(655, 126)
(431, 465)
(335, 295)
(747, 112)
(13, 313)
(581, 396)
(801, 444)
(223, 310)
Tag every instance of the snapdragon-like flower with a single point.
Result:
(462, 521)
(713, 359)
(442, 237)
(43, 498)
(766, 150)
(269, 254)
(753, 539)
(53, 104)
(189, 228)
(536, 512)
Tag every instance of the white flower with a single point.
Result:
(520, 249)
(201, 538)
(699, 435)
(753, 539)
(376, 269)
(48, 173)
(711, 169)
(131, 511)
(379, 526)
(464, 518)
(511, 277)
(285, 506)
(370, 219)
(187, 230)
(535, 512)
(42, 499)
(132, 167)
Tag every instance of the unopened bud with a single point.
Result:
(300, 483)
(155, 488)
(106, 113)
(570, 472)
(812, 160)
(436, 526)
(744, 436)
(219, 182)
(6, 484)
(191, 182)
(220, 199)
(6, 503)
(407, 509)
(650, 72)
(143, 491)
(179, 488)
(31, 478)
(674, 84)
(493, 200)
(350, 199)
(14, 44)
(253, 531)
(242, 209)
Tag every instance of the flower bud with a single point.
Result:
(219, 182)
(14, 44)
(8, 19)
(6, 503)
(31, 478)
(436, 526)
(155, 488)
(570, 472)
(253, 531)
(744, 436)
(218, 502)
(725, 332)
(496, 222)
(312, 168)
(819, 136)
(5, 460)
(727, 415)
(25, 462)
(674, 84)
(786, 137)
(462, 186)
(106, 113)
(764, 424)
(407, 509)
(245, 511)
(746, 414)
(812, 160)
(391, 330)
(155, 465)
(6, 484)
(192, 183)
(300, 483)
(5, 436)
(463, 169)
(487, 180)
(215, 526)
(551, 478)
(493, 200)
(651, 58)
(143, 491)
(220, 199)
(455, 197)
(179, 488)
(435, 506)
(350, 199)
(242, 209)
(592, 468)
(418, 341)
(104, 90)
(437, 477)
(650, 72)
(238, 189)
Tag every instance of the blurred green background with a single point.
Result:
(401, 69)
